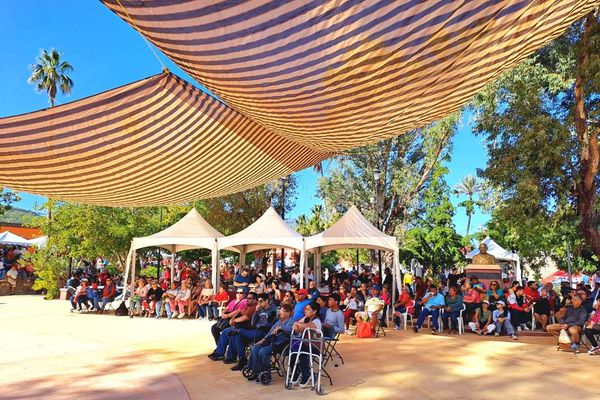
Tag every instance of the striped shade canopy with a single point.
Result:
(299, 81)
(156, 141)
(335, 75)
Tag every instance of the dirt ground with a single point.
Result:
(49, 353)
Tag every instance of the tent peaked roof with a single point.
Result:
(8, 237)
(269, 231)
(496, 250)
(190, 232)
(191, 225)
(352, 230)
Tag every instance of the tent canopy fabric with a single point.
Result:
(190, 232)
(496, 250)
(341, 74)
(298, 80)
(556, 277)
(156, 141)
(353, 230)
(10, 238)
(267, 232)
(39, 242)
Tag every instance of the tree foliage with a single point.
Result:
(540, 125)
(7, 198)
(49, 74)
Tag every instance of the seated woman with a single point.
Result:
(494, 293)
(169, 296)
(154, 298)
(542, 309)
(471, 298)
(592, 328)
(181, 301)
(273, 343)
(80, 297)
(196, 290)
(501, 318)
(452, 308)
(301, 372)
(222, 297)
(351, 308)
(109, 292)
(400, 307)
(204, 299)
(482, 322)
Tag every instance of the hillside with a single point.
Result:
(18, 215)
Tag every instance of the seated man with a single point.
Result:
(333, 323)
(92, 294)
(169, 296)
(573, 321)
(262, 320)
(154, 298)
(519, 307)
(80, 297)
(432, 303)
(301, 302)
(273, 343)
(225, 350)
(373, 310)
(243, 280)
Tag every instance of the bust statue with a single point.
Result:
(483, 258)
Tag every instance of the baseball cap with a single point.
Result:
(486, 302)
(501, 302)
(377, 287)
(302, 291)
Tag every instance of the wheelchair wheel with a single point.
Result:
(265, 378)
(247, 372)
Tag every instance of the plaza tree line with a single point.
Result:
(538, 122)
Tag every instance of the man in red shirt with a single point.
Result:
(531, 292)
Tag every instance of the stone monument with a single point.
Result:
(483, 265)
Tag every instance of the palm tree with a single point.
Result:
(50, 75)
(469, 186)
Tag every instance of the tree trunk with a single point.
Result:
(468, 224)
(585, 189)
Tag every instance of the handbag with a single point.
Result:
(564, 338)
(222, 323)
(363, 330)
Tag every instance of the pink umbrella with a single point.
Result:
(557, 277)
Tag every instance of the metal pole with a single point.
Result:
(159, 253)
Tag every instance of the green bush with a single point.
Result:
(49, 268)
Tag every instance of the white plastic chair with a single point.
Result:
(461, 320)
(406, 315)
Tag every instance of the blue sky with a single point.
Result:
(105, 53)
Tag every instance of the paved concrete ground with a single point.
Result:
(47, 352)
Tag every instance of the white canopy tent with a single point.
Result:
(39, 242)
(10, 238)
(501, 254)
(353, 230)
(190, 232)
(268, 232)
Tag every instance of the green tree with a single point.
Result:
(49, 74)
(49, 267)
(405, 164)
(432, 240)
(7, 198)
(540, 124)
(470, 187)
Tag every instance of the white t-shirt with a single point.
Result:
(12, 273)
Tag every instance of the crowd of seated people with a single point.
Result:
(10, 269)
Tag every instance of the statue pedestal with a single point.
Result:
(485, 273)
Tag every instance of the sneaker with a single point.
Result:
(200, 318)
(434, 331)
(348, 332)
(519, 329)
(182, 315)
(496, 334)
(525, 327)
(305, 383)
(514, 337)
(229, 361)
(397, 327)
(593, 350)
(479, 333)
(174, 315)
(415, 329)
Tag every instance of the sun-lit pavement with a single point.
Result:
(47, 352)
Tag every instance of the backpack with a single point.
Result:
(121, 311)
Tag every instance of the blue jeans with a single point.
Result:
(168, 309)
(2, 273)
(244, 337)
(212, 310)
(158, 307)
(260, 358)
(434, 318)
(303, 364)
(507, 326)
(453, 315)
(223, 344)
(202, 310)
(401, 310)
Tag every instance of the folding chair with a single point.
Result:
(380, 328)
(330, 349)
(406, 315)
